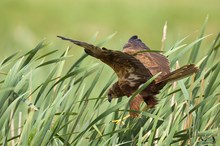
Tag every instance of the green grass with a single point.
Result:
(46, 101)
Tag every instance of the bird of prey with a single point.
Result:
(134, 66)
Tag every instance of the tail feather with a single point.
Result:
(180, 73)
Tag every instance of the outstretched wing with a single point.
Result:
(130, 71)
(154, 61)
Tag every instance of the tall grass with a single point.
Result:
(58, 108)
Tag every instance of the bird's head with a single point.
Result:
(115, 92)
(111, 95)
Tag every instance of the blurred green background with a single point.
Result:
(24, 23)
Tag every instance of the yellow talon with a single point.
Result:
(120, 121)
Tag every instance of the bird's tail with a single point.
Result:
(178, 74)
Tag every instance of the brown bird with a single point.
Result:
(134, 66)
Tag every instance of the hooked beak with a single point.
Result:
(109, 98)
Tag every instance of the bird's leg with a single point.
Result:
(135, 106)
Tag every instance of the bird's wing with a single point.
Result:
(154, 61)
(130, 71)
(136, 44)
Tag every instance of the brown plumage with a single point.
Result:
(134, 69)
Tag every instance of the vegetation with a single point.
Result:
(65, 107)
